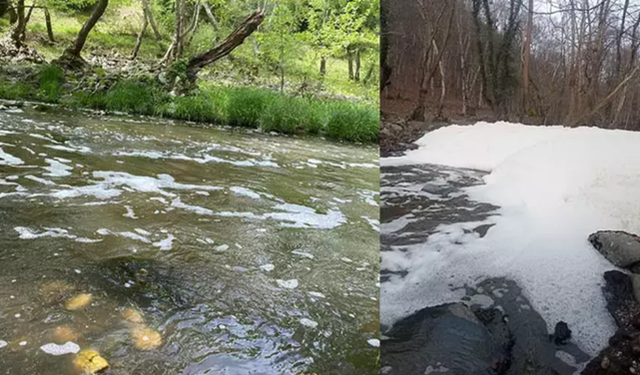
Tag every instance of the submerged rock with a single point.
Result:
(145, 338)
(132, 315)
(55, 291)
(78, 302)
(89, 361)
(446, 337)
(64, 334)
(620, 248)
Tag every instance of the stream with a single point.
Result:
(241, 252)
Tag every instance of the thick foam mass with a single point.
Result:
(555, 186)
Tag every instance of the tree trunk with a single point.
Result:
(323, 66)
(18, 30)
(209, 13)
(152, 21)
(443, 87)
(136, 48)
(350, 60)
(527, 58)
(47, 18)
(73, 53)
(23, 35)
(234, 39)
(356, 73)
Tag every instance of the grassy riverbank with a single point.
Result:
(238, 106)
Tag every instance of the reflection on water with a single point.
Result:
(171, 249)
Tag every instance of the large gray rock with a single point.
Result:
(620, 248)
(445, 338)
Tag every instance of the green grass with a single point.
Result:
(135, 97)
(50, 82)
(245, 106)
(353, 122)
(265, 109)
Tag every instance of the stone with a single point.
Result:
(78, 302)
(55, 291)
(62, 334)
(561, 333)
(145, 338)
(89, 361)
(132, 315)
(620, 248)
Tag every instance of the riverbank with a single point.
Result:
(147, 94)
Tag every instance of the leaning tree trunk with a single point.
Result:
(152, 21)
(18, 30)
(47, 18)
(72, 54)
(136, 48)
(234, 39)
(356, 73)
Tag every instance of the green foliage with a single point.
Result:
(202, 107)
(353, 122)
(245, 106)
(135, 97)
(14, 91)
(50, 82)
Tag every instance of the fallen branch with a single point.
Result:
(234, 39)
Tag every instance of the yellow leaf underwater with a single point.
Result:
(132, 315)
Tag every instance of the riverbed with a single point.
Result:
(245, 252)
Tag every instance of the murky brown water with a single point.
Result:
(246, 253)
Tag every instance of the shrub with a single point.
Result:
(245, 106)
(135, 97)
(353, 122)
(50, 82)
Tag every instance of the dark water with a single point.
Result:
(244, 253)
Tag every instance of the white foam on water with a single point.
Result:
(302, 254)
(28, 234)
(317, 294)
(39, 180)
(294, 216)
(287, 284)
(373, 223)
(374, 342)
(221, 248)
(165, 244)
(55, 349)
(3, 344)
(267, 267)
(130, 213)
(202, 159)
(308, 323)
(8, 159)
(70, 148)
(57, 168)
(554, 186)
(245, 192)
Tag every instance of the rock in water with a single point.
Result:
(145, 338)
(442, 338)
(561, 333)
(132, 315)
(78, 302)
(63, 334)
(621, 356)
(90, 362)
(620, 248)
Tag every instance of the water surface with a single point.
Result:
(248, 253)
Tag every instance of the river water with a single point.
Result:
(241, 253)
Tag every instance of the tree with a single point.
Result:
(71, 55)
(235, 39)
